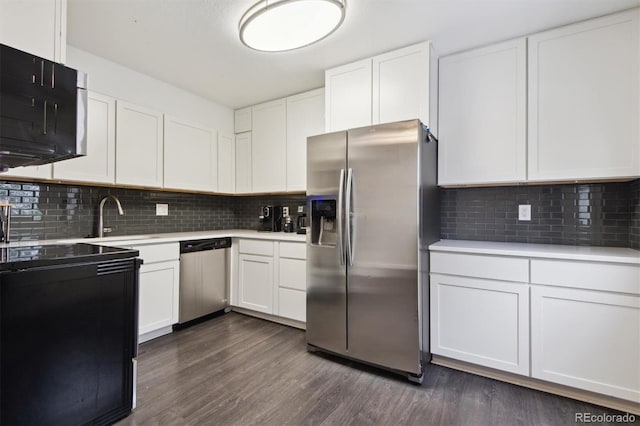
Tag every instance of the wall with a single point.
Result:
(600, 214)
(48, 211)
(114, 80)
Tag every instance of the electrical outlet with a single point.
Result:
(285, 211)
(162, 209)
(524, 212)
(300, 209)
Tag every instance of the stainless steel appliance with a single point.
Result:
(68, 334)
(43, 110)
(203, 278)
(270, 219)
(372, 203)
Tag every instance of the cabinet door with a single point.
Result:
(139, 143)
(305, 117)
(226, 164)
(348, 96)
(292, 304)
(401, 85)
(255, 283)
(99, 163)
(586, 339)
(269, 146)
(584, 117)
(158, 306)
(37, 27)
(243, 163)
(242, 120)
(482, 128)
(480, 321)
(190, 156)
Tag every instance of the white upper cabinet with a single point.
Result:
(401, 85)
(32, 172)
(99, 163)
(139, 142)
(348, 96)
(226, 164)
(242, 120)
(269, 146)
(583, 100)
(243, 163)
(305, 117)
(482, 115)
(37, 27)
(190, 156)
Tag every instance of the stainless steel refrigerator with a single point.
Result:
(373, 203)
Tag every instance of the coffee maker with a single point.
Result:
(270, 219)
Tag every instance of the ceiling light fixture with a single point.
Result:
(281, 25)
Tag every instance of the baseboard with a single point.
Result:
(541, 385)
(273, 318)
(154, 334)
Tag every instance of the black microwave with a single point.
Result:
(43, 110)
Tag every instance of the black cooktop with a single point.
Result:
(13, 258)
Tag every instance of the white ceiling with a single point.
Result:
(194, 44)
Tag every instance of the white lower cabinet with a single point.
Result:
(484, 322)
(255, 283)
(586, 339)
(271, 278)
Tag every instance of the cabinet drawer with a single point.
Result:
(293, 250)
(158, 252)
(261, 248)
(587, 275)
(293, 274)
(292, 304)
(471, 265)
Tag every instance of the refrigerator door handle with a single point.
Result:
(349, 215)
(339, 218)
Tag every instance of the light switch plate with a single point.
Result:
(524, 212)
(162, 209)
(300, 209)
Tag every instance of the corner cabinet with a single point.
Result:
(482, 113)
(190, 156)
(243, 163)
(139, 145)
(255, 275)
(584, 97)
(390, 87)
(269, 146)
(226, 164)
(99, 164)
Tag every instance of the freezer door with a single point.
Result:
(382, 205)
(326, 265)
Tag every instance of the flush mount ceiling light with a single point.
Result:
(280, 25)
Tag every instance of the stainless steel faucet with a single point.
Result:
(101, 213)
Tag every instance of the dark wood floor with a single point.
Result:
(241, 370)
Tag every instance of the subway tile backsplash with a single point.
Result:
(52, 211)
(603, 214)
(599, 214)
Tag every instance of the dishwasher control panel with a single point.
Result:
(203, 245)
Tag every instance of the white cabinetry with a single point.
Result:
(226, 164)
(255, 275)
(482, 321)
(242, 120)
(243, 163)
(159, 289)
(584, 96)
(139, 145)
(269, 146)
(292, 281)
(37, 27)
(389, 87)
(482, 115)
(348, 96)
(99, 163)
(190, 156)
(33, 172)
(305, 117)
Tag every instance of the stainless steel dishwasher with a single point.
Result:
(203, 278)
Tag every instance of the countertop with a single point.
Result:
(547, 251)
(168, 238)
